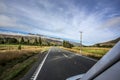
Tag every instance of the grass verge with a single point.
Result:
(93, 52)
(13, 72)
(15, 63)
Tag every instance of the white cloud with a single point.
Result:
(113, 22)
(3, 7)
(13, 23)
(7, 21)
(63, 21)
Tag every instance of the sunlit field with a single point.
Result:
(14, 60)
(94, 52)
(9, 52)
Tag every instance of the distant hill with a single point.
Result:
(75, 43)
(114, 41)
(31, 37)
(110, 43)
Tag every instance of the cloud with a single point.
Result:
(2, 7)
(113, 22)
(6, 21)
(63, 19)
(12, 23)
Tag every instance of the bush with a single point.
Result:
(67, 44)
(19, 47)
(1, 41)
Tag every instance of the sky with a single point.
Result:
(99, 20)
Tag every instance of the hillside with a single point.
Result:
(110, 43)
(31, 38)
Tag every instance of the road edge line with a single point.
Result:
(81, 55)
(40, 66)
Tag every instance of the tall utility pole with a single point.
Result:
(81, 41)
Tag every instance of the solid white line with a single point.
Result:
(40, 66)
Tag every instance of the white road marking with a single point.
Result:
(59, 50)
(56, 58)
(35, 75)
(65, 55)
(80, 55)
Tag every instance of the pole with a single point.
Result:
(80, 41)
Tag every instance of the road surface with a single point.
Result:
(59, 64)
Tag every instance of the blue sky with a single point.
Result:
(98, 19)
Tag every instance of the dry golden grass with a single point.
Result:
(14, 61)
(94, 52)
(12, 52)
(18, 69)
(15, 47)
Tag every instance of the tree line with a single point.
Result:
(67, 44)
(36, 41)
(9, 40)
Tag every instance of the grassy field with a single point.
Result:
(94, 52)
(14, 61)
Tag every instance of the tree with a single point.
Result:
(64, 43)
(28, 41)
(48, 43)
(11, 40)
(2, 41)
(40, 41)
(22, 40)
(35, 41)
(19, 47)
(67, 44)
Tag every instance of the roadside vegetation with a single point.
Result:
(67, 44)
(93, 52)
(14, 61)
(18, 54)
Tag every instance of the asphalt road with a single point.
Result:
(59, 64)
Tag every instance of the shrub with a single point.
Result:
(19, 47)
